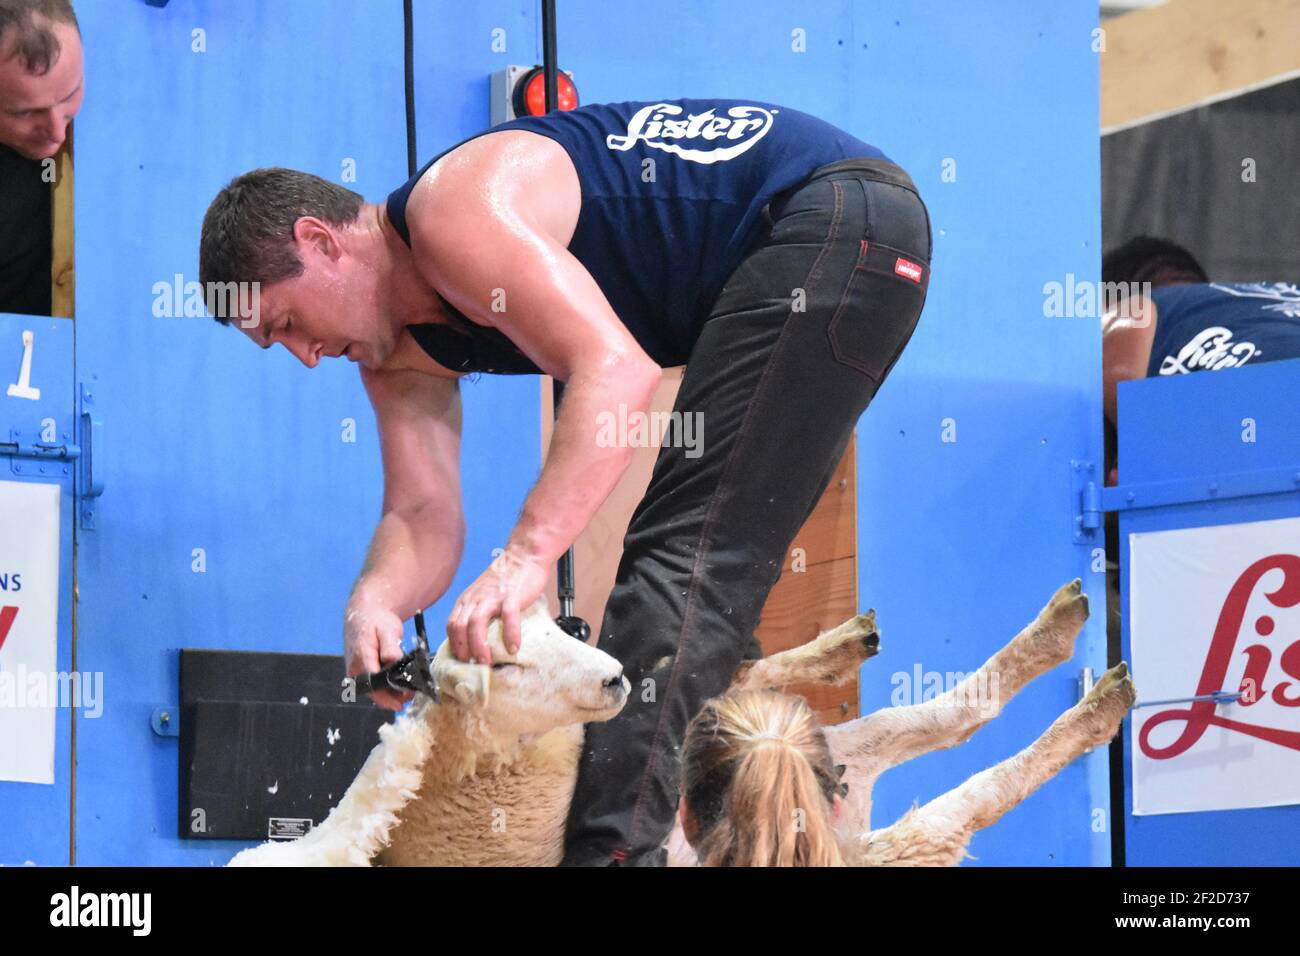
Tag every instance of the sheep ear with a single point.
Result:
(472, 693)
(467, 683)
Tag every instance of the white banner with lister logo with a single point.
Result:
(29, 629)
(1216, 609)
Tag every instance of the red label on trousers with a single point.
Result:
(908, 269)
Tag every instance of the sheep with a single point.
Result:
(498, 790)
(508, 739)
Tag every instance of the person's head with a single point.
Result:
(758, 786)
(1151, 259)
(304, 243)
(41, 78)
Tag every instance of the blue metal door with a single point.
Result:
(1184, 464)
(38, 445)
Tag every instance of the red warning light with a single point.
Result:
(530, 93)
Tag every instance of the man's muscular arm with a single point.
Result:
(491, 252)
(421, 534)
(1127, 332)
(417, 545)
(1126, 337)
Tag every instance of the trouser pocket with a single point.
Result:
(879, 310)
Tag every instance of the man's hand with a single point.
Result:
(372, 637)
(512, 581)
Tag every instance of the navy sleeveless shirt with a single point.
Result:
(1217, 325)
(672, 193)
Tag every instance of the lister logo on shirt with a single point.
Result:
(741, 128)
(1210, 348)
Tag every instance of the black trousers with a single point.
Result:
(794, 349)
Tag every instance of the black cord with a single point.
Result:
(408, 31)
(565, 573)
(408, 70)
(550, 71)
(550, 68)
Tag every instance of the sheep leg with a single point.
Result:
(938, 833)
(871, 744)
(832, 657)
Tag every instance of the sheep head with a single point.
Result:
(553, 680)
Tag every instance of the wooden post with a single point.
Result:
(63, 294)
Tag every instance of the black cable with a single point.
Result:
(408, 71)
(565, 577)
(408, 31)
(549, 68)
(564, 570)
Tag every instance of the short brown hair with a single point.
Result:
(35, 43)
(248, 229)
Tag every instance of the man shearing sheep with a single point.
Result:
(783, 261)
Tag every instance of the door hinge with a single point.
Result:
(1086, 497)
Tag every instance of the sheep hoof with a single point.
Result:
(1107, 702)
(1065, 592)
(1053, 633)
(857, 636)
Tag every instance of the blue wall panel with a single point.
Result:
(963, 541)
(219, 446)
(213, 444)
(966, 539)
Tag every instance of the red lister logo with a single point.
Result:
(908, 269)
(1230, 633)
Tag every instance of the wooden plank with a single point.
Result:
(1190, 52)
(62, 266)
(830, 533)
(802, 604)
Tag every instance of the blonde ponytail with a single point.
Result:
(758, 776)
